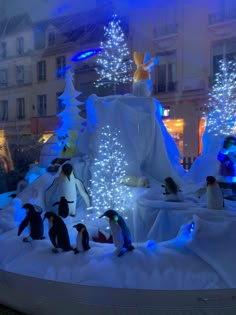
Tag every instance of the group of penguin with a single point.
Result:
(59, 235)
(214, 194)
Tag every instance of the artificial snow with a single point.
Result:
(164, 256)
(168, 253)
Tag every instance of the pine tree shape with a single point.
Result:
(108, 170)
(114, 66)
(222, 101)
(67, 133)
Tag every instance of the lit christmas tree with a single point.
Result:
(113, 64)
(67, 133)
(109, 169)
(222, 101)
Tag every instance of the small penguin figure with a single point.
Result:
(172, 191)
(63, 208)
(82, 240)
(215, 198)
(35, 223)
(120, 232)
(58, 232)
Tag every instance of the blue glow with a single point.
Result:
(151, 245)
(63, 70)
(191, 227)
(86, 54)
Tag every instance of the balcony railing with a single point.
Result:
(165, 30)
(41, 125)
(165, 88)
(221, 17)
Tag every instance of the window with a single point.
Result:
(39, 37)
(176, 129)
(166, 19)
(41, 70)
(19, 74)
(42, 105)
(165, 74)
(3, 50)
(223, 10)
(59, 102)
(222, 51)
(60, 64)
(3, 77)
(20, 45)
(4, 110)
(51, 39)
(20, 108)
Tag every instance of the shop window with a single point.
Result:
(201, 129)
(175, 128)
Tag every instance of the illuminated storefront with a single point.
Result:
(176, 128)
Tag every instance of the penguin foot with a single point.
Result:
(130, 248)
(55, 250)
(121, 253)
(75, 251)
(27, 239)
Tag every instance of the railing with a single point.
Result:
(221, 17)
(187, 162)
(40, 125)
(165, 30)
(164, 88)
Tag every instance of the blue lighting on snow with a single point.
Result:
(151, 245)
(86, 54)
(191, 227)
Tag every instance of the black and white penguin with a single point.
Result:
(215, 199)
(172, 191)
(35, 223)
(63, 208)
(67, 185)
(82, 240)
(58, 232)
(120, 232)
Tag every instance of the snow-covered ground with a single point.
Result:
(178, 245)
(168, 257)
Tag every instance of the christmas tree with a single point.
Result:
(222, 101)
(67, 133)
(113, 64)
(109, 169)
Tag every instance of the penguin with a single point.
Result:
(120, 232)
(34, 221)
(82, 240)
(172, 191)
(58, 232)
(67, 185)
(63, 208)
(215, 199)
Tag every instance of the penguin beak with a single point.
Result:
(101, 216)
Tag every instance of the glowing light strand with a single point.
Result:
(109, 168)
(222, 101)
(113, 64)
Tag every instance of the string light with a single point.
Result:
(113, 64)
(222, 102)
(108, 170)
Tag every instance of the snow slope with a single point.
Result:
(168, 261)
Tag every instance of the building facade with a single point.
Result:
(190, 37)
